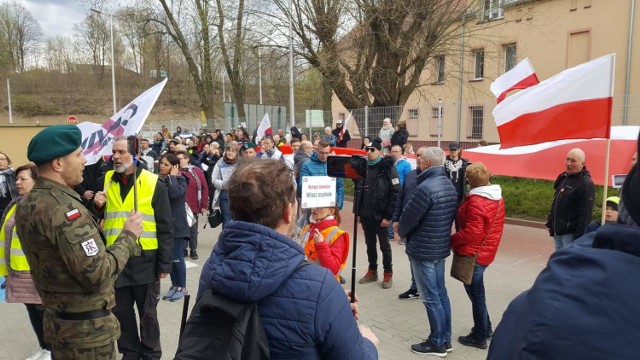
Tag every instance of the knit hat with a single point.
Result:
(54, 142)
(613, 202)
(377, 143)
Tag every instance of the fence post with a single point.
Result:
(439, 122)
(366, 122)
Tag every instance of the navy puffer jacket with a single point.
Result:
(305, 312)
(426, 219)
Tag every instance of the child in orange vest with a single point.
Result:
(324, 242)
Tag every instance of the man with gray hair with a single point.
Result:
(426, 223)
(572, 205)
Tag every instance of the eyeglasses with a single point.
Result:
(371, 149)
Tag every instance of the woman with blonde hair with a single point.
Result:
(324, 242)
(480, 225)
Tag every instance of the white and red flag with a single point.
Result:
(344, 127)
(574, 104)
(521, 76)
(264, 129)
(97, 139)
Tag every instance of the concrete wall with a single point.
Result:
(14, 141)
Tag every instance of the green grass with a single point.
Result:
(527, 199)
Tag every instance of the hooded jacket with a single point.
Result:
(572, 205)
(583, 305)
(481, 214)
(426, 220)
(304, 311)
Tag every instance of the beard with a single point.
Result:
(121, 169)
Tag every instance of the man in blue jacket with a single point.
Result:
(317, 166)
(426, 223)
(304, 311)
(584, 304)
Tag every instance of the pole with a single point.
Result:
(357, 192)
(460, 75)
(366, 122)
(9, 100)
(222, 81)
(439, 122)
(113, 70)
(292, 106)
(625, 109)
(606, 182)
(260, 76)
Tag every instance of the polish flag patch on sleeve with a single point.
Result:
(73, 214)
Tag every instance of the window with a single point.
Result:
(433, 124)
(439, 69)
(509, 57)
(477, 120)
(413, 122)
(478, 64)
(341, 116)
(413, 114)
(493, 9)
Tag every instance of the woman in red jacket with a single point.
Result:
(481, 222)
(324, 242)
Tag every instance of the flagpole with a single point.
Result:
(606, 182)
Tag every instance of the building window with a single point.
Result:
(478, 64)
(439, 69)
(413, 114)
(493, 9)
(341, 116)
(433, 124)
(509, 57)
(477, 120)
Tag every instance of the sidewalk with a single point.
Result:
(523, 253)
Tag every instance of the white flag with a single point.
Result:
(264, 129)
(97, 140)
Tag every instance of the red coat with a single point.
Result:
(331, 256)
(475, 216)
(191, 196)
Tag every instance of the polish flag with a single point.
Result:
(264, 129)
(574, 104)
(344, 127)
(521, 76)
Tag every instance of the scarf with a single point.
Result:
(4, 184)
(374, 162)
(318, 224)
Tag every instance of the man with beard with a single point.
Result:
(139, 283)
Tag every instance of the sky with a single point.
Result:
(56, 17)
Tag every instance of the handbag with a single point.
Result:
(214, 218)
(191, 218)
(462, 266)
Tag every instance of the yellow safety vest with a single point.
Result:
(116, 211)
(3, 236)
(17, 259)
(330, 235)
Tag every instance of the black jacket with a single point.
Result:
(572, 205)
(345, 137)
(383, 188)
(144, 269)
(400, 137)
(177, 190)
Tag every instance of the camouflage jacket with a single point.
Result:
(70, 266)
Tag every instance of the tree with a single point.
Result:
(20, 31)
(373, 52)
(95, 35)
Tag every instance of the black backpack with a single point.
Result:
(221, 328)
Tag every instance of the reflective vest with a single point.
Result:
(117, 211)
(330, 235)
(17, 259)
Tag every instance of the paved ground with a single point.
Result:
(397, 323)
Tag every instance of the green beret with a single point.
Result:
(54, 142)
(248, 145)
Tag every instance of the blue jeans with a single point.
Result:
(475, 291)
(561, 241)
(429, 276)
(224, 208)
(178, 269)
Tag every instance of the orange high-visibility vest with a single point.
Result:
(330, 235)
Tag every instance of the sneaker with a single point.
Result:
(409, 294)
(472, 340)
(489, 332)
(448, 346)
(342, 280)
(429, 348)
(46, 355)
(387, 280)
(179, 294)
(194, 254)
(169, 294)
(36, 354)
(370, 276)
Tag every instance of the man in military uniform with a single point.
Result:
(139, 283)
(71, 268)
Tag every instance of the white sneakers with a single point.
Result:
(40, 354)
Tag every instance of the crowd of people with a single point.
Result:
(100, 237)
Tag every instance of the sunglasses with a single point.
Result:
(371, 149)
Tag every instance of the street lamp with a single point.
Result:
(291, 85)
(113, 59)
